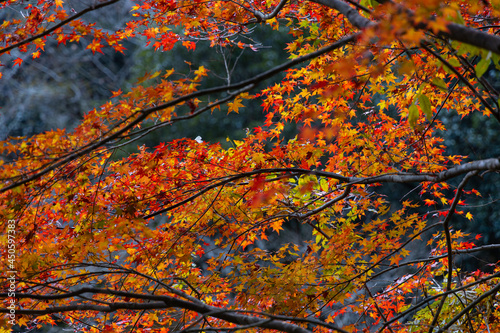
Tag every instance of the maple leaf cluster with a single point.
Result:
(191, 236)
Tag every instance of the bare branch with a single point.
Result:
(327, 204)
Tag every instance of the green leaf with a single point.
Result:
(425, 104)
(324, 185)
(439, 82)
(458, 19)
(369, 3)
(412, 115)
(422, 86)
(465, 49)
(454, 62)
(482, 66)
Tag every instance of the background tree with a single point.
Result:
(173, 237)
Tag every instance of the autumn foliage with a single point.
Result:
(175, 237)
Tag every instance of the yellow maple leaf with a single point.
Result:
(234, 106)
(276, 226)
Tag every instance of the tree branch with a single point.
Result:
(264, 17)
(350, 13)
(473, 37)
(492, 164)
(162, 302)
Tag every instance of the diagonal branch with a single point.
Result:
(327, 204)
(429, 299)
(470, 307)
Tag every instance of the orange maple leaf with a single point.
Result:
(18, 61)
(95, 46)
(234, 106)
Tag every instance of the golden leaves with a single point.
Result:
(235, 105)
